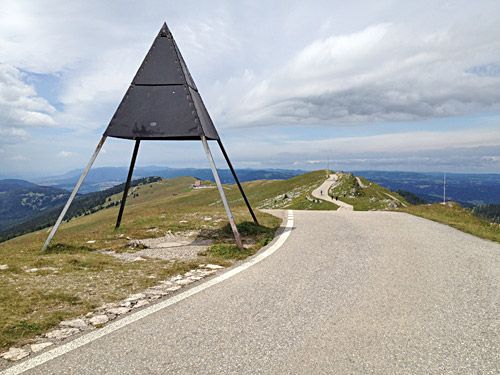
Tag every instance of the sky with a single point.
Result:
(361, 85)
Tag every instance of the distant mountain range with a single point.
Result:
(22, 200)
(106, 177)
(466, 189)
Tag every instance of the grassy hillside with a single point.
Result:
(294, 193)
(454, 215)
(21, 202)
(364, 197)
(38, 290)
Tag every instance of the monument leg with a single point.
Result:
(75, 190)
(237, 181)
(127, 184)
(221, 191)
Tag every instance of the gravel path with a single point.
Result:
(325, 187)
(348, 293)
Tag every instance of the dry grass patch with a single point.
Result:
(38, 290)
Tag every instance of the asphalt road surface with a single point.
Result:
(347, 293)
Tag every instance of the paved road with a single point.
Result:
(325, 187)
(347, 293)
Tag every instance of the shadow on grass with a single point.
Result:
(250, 232)
(60, 248)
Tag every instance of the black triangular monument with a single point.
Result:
(162, 103)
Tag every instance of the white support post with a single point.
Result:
(221, 192)
(75, 190)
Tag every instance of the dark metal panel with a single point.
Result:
(187, 74)
(161, 65)
(155, 112)
(164, 64)
(206, 122)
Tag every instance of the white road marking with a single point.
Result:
(94, 335)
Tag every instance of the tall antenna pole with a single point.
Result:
(444, 189)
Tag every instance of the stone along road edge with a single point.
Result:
(131, 318)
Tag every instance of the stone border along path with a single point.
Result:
(325, 186)
(110, 311)
(90, 324)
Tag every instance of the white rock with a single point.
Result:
(98, 320)
(183, 222)
(75, 323)
(15, 354)
(119, 310)
(4, 267)
(92, 241)
(126, 304)
(195, 278)
(32, 270)
(176, 278)
(35, 348)
(62, 333)
(213, 267)
(138, 259)
(141, 303)
(184, 282)
(135, 297)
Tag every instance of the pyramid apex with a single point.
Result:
(164, 31)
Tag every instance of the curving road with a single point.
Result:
(325, 187)
(353, 292)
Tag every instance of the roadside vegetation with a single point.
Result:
(294, 193)
(454, 215)
(74, 275)
(365, 197)
(81, 271)
(488, 211)
(411, 198)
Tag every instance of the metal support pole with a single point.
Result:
(127, 184)
(75, 190)
(237, 181)
(221, 192)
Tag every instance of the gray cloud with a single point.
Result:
(377, 75)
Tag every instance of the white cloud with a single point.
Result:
(64, 154)
(18, 158)
(382, 73)
(20, 107)
(12, 136)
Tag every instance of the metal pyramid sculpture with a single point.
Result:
(162, 103)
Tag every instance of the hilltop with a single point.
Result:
(169, 228)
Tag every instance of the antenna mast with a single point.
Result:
(444, 189)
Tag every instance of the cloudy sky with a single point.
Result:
(388, 85)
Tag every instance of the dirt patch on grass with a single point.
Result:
(169, 247)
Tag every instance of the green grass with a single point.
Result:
(371, 197)
(454, 215)
(72, 278)
(286, 194)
